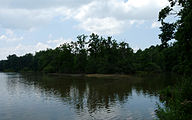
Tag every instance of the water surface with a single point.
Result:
(58, 97)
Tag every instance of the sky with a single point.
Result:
(27, 26)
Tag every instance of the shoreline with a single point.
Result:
(95, 75)
(92, 75)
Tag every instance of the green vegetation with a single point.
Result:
(178, 102)
(179, 30)
(95, 54)
(91, 54)
(178, 99)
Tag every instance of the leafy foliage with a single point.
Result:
(93, 55)
(179, 30)
(177, 99)
(178, 102)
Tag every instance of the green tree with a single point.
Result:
(179, 30)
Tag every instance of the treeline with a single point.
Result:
(95, 54)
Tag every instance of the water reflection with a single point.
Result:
(87, 98)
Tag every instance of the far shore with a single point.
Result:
(96, 75)
(93, 75)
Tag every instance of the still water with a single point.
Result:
(58, 97)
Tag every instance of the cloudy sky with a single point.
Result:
(33, 25)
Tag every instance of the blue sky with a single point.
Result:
(29, 26)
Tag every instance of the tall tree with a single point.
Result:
(180, 30)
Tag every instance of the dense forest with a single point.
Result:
(95, 54)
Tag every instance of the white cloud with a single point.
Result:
(155, 25)
(23, 18)
(9, 32)
(58, 42)
(41, 46)
(21, 49)
(30, 14)
(120, 10)
(100, 16)
(107, 26)
(24, 14)
(3, 37)
(10, 36)
(41, 4)
(110, 16)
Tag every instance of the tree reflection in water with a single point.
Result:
(89, 92)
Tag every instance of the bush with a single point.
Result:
(177, 101)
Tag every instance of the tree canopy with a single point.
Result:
(180, 30)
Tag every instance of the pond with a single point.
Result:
(61, 97)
